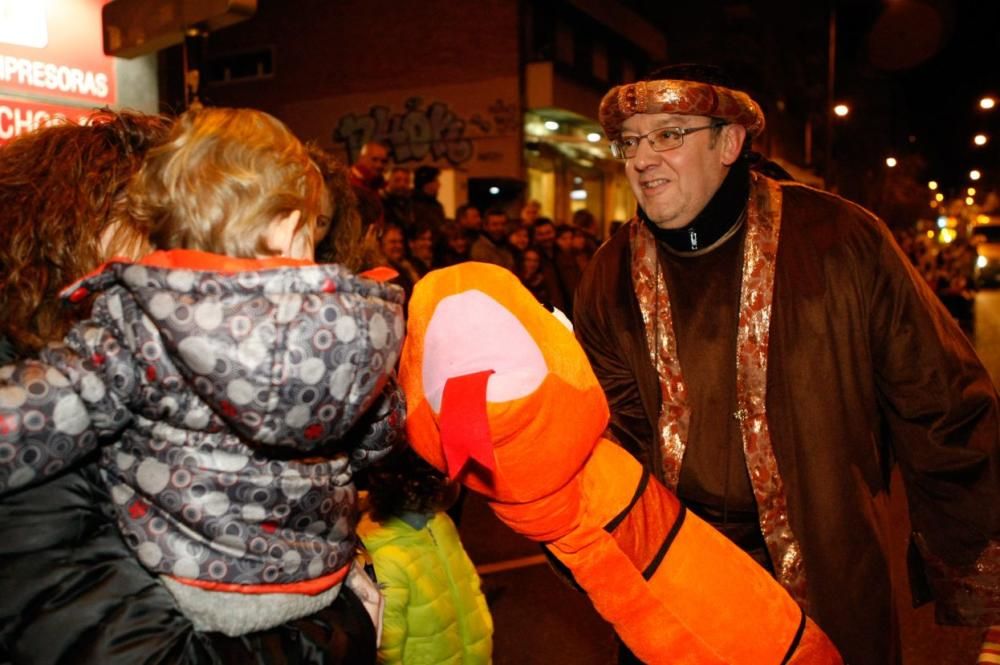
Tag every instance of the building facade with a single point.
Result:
(501, 95)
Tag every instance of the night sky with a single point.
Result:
(912, 71)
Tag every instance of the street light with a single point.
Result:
(980, 139)
(932, 185)
(939, 197)
(974, 174)
(971, 191)
(969, 200)
(987, 103)
(890, 162)
(841, 110)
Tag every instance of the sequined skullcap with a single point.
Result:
(677, 96)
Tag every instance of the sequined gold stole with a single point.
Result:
(756, 291)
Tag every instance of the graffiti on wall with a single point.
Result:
(418, 132)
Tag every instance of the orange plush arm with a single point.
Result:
(675, 589)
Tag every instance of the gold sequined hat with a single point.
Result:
(677, 96)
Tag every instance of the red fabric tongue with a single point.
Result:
(465, 429)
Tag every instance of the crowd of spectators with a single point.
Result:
(409, 232)
(947, 268)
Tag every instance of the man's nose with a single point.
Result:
(644, 154)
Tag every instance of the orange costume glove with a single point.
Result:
(500, 394)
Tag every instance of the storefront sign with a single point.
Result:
(55, 49)
(18, 116)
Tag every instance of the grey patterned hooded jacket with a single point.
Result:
(235, 407)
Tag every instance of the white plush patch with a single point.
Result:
(235, 614)
(470, 332)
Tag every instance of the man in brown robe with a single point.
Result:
(769, 353)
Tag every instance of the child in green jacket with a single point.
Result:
(435, 611)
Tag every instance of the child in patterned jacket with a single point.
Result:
(233, 385)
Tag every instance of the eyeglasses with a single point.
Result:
(660, 140)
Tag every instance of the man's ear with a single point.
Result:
(732, 138)
(281, 233)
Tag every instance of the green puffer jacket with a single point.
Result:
(435, 611)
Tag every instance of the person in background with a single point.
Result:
(453, 246)
(518, 239)
(567, 264)
(420, 249)
(769, 354)
(556, 284)
(338, 227)
(368, 178)
(470, 220)
(529, 213)
(435, 611)
(62, 202)
(530, 274)
(588, 233)
(491, 245)
(392, 244)
(397, 202)
(191, 427)
(426, 207)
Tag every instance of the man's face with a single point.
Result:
(545, 236)
(374, 157)
(422, 246)
(431, 188)
(529, 213)
(496, 227)
(675, 185)
(399, 182)
(472, 219)
(392, 244)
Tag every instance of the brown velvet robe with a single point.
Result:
(865, 370)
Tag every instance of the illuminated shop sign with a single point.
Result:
(51, 51)
(18, 116)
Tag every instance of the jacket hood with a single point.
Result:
(287, 353)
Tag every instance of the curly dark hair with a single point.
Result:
(61, 187)
(343, 242)
(405, 482)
